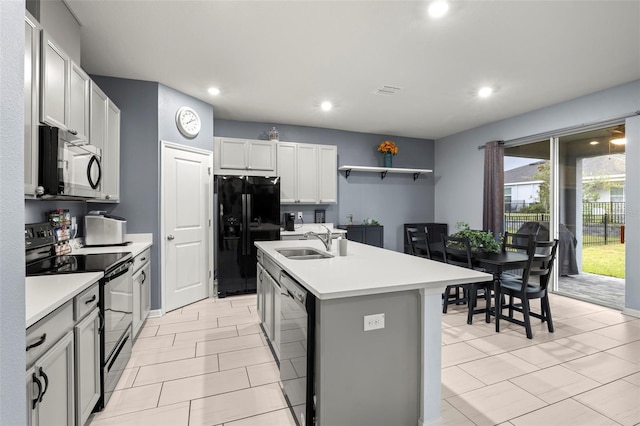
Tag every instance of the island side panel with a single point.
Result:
(373, 377)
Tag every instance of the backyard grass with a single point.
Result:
(604, 260)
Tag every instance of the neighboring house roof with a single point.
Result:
(522, 173)
(605, 165)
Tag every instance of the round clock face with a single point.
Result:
(188, 122)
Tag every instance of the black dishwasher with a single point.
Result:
(297, 349)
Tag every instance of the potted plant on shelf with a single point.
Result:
(388, 149)
(479, 240)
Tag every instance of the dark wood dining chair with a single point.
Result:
(541, 257)
(415, 238)
(516, 242)
(457, 251)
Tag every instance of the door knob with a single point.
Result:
(170, 237)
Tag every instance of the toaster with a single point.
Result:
(102, 229)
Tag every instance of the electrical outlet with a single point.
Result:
(373, 322)
(299, 215)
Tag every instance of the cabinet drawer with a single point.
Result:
(141, 259)
(46, 332)
(86, 301)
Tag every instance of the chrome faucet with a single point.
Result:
(326, 238)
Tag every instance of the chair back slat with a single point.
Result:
(414, 237)
(516, 242)
(457, 251)
(542, 255)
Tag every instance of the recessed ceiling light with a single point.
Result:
(485, 92)
(619, 141)
(214, 91)
(438, 9)
(594, 143)
(326, 105)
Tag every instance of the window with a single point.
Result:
(617, 194)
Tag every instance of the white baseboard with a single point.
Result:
(155, 313)
(631, 312)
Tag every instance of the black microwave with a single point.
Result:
(68, 167)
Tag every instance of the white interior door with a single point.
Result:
(186, 213)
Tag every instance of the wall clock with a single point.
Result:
(188, 122)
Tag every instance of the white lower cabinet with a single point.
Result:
(268, 291)
(52, 386)
(141, 290)
(87, 365)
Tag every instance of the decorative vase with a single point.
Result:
(388, 159)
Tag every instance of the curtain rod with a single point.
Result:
(500, 143)
(569, 129)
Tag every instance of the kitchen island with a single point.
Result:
(384, 376)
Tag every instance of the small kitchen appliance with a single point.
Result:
(102, 229)
(289, 221)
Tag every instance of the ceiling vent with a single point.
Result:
(386, 90)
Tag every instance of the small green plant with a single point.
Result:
(479, 240)
(374, 222)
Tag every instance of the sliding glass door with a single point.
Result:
(571, 187)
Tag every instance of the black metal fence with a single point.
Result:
(602, 222)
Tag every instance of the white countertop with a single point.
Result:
(140, 242)
(44, 294)
(313, 227)
(367, 270)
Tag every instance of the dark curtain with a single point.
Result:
(493, 202)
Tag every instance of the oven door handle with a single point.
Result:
(123, 271)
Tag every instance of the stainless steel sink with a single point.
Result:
(303, 253)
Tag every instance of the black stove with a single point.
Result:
(41, 258)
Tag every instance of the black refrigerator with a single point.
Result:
(248, 210)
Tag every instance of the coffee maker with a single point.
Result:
(289, 221)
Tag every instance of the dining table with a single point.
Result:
(493, 263)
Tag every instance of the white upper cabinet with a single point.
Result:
(79, 86)
(307, 173)
(105, 134)
(31, 90)
(327, 174)
(98, 116)
(54, 105)
(245, 156)
(111, 155)
(64, 94)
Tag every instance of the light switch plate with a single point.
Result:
(373, 322)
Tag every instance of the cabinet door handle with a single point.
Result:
(144, 277)
(170, 237)
(39, 342)
(90, 300)
(46, 383)
(143, 259)
(35, 380)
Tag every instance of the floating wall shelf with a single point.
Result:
(383, 170)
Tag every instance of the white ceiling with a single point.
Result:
(276, 61)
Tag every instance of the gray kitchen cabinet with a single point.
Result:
(260, 284)
(241, 156)
(269, 310)
(54, 93)
(141, 290)
(31, 90)
(87, 367)
(54, 396)
(366, 234)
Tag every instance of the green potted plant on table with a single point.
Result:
(479, 240)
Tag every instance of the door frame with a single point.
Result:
(165, 145)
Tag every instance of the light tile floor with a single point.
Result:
(208, 364)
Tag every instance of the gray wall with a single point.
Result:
(458, 191)
(393, 201)
(148, 116)
(12, 308)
